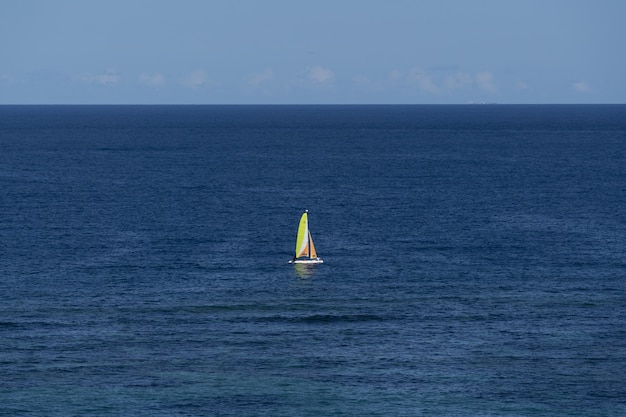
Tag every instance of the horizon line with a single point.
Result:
(477, 104)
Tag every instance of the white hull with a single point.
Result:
(307, 261)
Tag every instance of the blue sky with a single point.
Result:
(319, 52)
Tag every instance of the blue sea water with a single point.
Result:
(475, 261)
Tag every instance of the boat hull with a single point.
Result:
(307, 261)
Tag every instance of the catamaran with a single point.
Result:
(305, 250)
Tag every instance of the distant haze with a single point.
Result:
(325, 51)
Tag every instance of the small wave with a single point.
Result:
(327, 318)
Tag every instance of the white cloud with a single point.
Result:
(152, 80)
(423, 81)
(458, 81)
(261, 77)
(110, 77)
(451, 83)
(485, 81)
(581, 87)
(320, 75)
(196, 79)
(364, 83)
(395, 76)
(6, 78)
(523, 85)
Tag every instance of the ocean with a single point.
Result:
(475, 260)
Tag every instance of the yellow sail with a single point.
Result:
(302, 241)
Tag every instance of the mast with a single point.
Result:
(308, 237)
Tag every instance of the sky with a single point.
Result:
(312, 51)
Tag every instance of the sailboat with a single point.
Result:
(305, 249)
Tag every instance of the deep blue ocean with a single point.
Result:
(475, 260)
